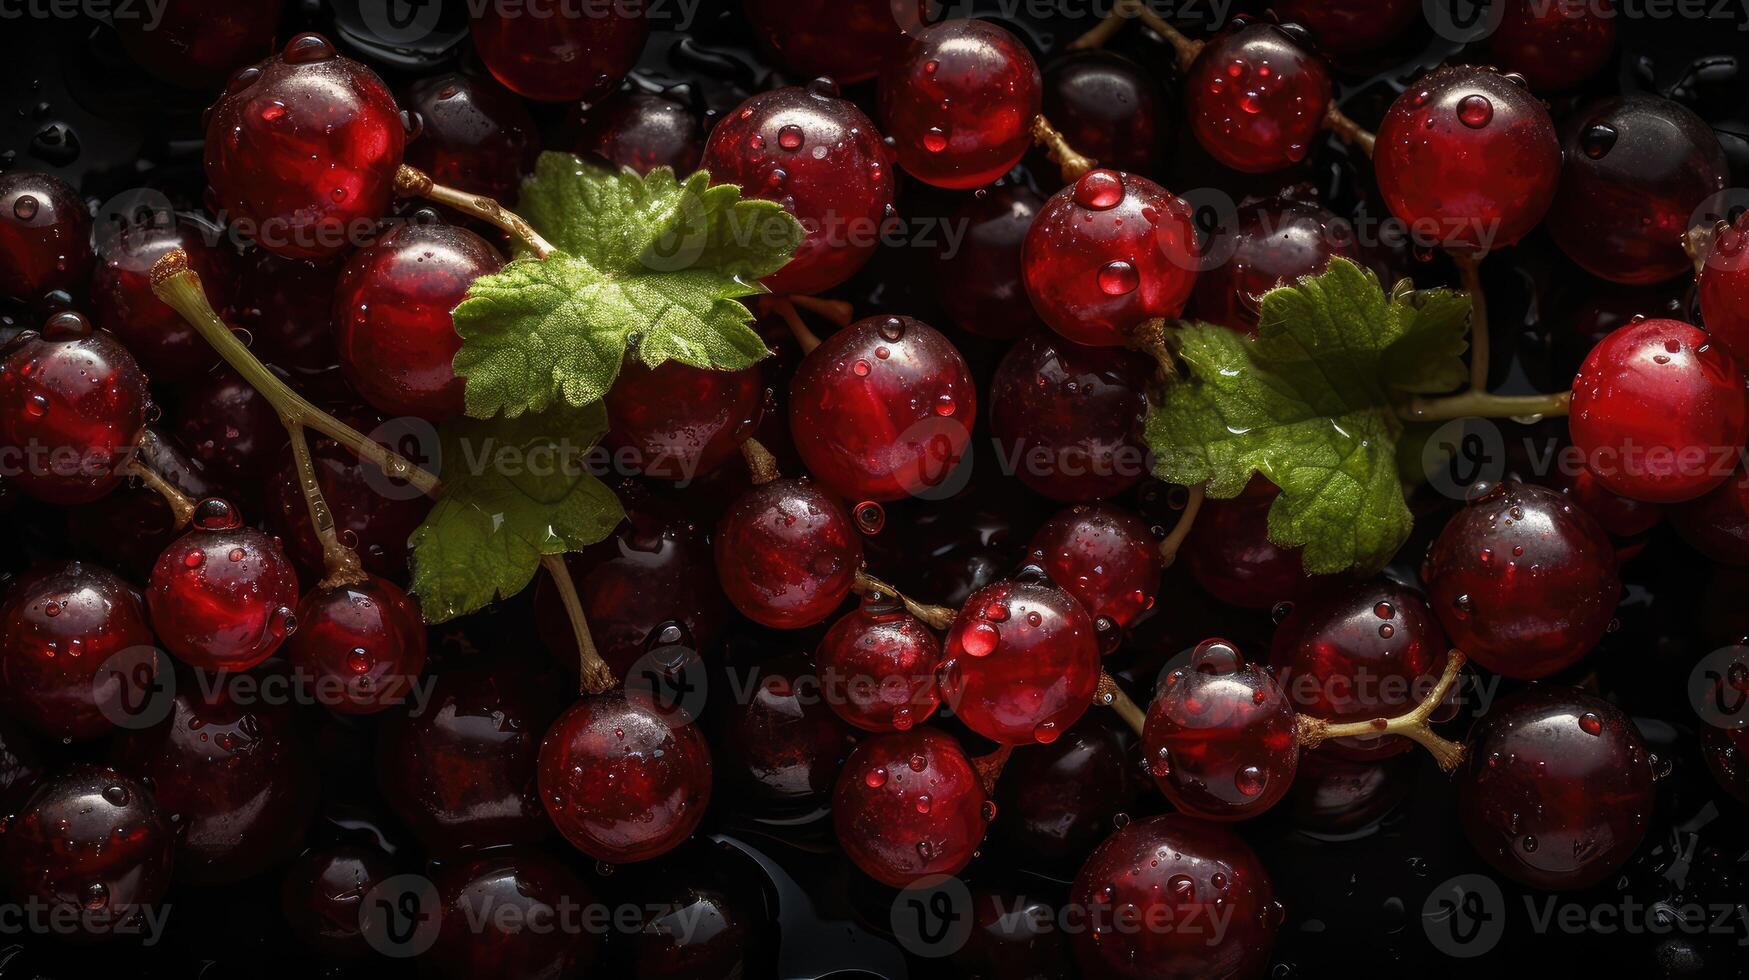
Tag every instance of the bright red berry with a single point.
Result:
(1256, 99)
(122, 301)
(787, 554)
(222, 595)
(360, 645)
(1107, 558)
(959, 103)
(570, 55)
(1022, 662)
(877, 667)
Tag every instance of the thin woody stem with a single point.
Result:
(989, 767)
(1347, 130)
(341, 562)
(181, 507)
(1171, 544)
(1150, 338)
(785, 309)
(1071, 163)
(1186, 48)
(1470, 271)
(593, 672)
(1414, 725)
(1481, 404)
(1106, 29)
(1109, 694)
(939, 617)
(837, 312)
(413, 182)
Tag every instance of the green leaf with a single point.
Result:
(513, 491)
(1308, 404)
(651, 262)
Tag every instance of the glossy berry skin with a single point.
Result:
(364, 642)
(1106, 253)
(1107, 107)
(1469, 156)
(1524, 582)
(128, 529)
(1716, 524)
(1370, 650)
(1338, 798)
(1637, 169)
(622, 782)
(1275, 243)
(373, 523)
(1255, 99)
(1556, 789)
(1230, 555)
(768, 146)
(678, 422)
(979, 282)
(1107, 557)
(643, 131)
(1022, 662)
(45, 236)
(392, 324)
(1722, 287)
(197, 45)
(229, 427)
(787, 554)
(75, 404)
(322, 899)
(233, 774)
(1174, 868)
(74, 647)
(883, 409)
(573, 55)
(1623, 517)
(513, 913)
(1219, 740)
(222, 596)
(1070, 417)
(461, 773)
(850, 40)
(91, 845)
(474, 135)
(302, 148)
(167, 347)
(1349, 27)
(909, 804)
(1058, 801)
(1659, 412)
(782, 743)
(959, 103)
(877, 667)
(1556, 46)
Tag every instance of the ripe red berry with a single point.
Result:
(1107, 558)
(1231, 557)
(909, 804)
(361, 646)
(621, 781)
(1468, 159)
(1722, 287)
(322, 899)
(823, 160)
(473, 135)
(978, 283)
(74, 648)
(229, 427)
(959, 103)
(1659, 412)
(1022, 662)
(122, 301)
(1349, 27)
(392, 323)
(1109, 108)
(569, 55)
(1067, 420)
(1273, 244)
(1555, 44)
(1523, 581)
(1256, 99)
(1716, 524)
(787, 554)
(72, 406)
(222, 595)
(45, 236)
(301, 150)
(643, 131)
(877, 667)
(1108, 252)
(781, 743)
(850, 40)
(515, 912)
(678, 422)
(197, 44)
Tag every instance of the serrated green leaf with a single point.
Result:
(654, 262)
(1307, 404)
(514, 490)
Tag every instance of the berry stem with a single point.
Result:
(761, 465)
(939, 617)
(1697, 243)
(989, 767)
(1151, 339)
(1105, 30)
(180, 288)
(1071, 163)
(837, 312)
(593, 672)
(1347, 130)
(806, 338)
(340, 561)
(1170, 545)
(413, 182)
(181, 508)
(1312, 732)
(1109, 694)
(1485, 405)
(1470, 272)
(1186, 49)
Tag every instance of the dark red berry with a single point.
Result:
(909, 804)
(74, 650)
(45, 236)
(787, 554)
(473, 135)
(1256, 99)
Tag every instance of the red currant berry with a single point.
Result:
(909, 804)
(1656, 409)
(364, 642)
(1256, 99)
(883, 409)
(516, 913)
(1068, 419)
(132, 526)
(74, 645)
(323, 895)
(959, 103)
(1524, 582)
(222, 595)
(1058, 801)
(197, 45)
(1371, 650)
(1177, 869)
(1220, 739)
(1022, 662)
(1716, 524)
(621, 781)
(567, 56)
(850, 40)
(1339, 798)
(1727, 757)
(1106, 253)
(823, 160)
(782, 744)
(643, 131)
(92, 849)
(373, 515)
(287, 308)
(1469, 155)
(1106, 557)
(1231, 557)
(1722, 287)
(1623, 517)
(978, 283)
(1556, 790)
(392, 321)
(122, 301)
(230, 428)
(787, 554)
(678, 422)
(1637, 169)
(1109, 108)
(1349, 27)
(1555, 44)
(45, 236)
(1274, 244)
(473, 134)
(301, 150)
(74, 406)
(877, 667)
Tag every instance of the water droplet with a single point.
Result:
(25, 208)
(1118, 278)
(1475, 111)
(1597, 140)
(934, 139)
(979, 639)
(1100, 190)
(875, 778)
(1590, 724)
(790, 137)
(1250, 780)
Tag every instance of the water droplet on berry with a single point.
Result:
(25, 208)
(1100, 190)
(1250, 780)
(307, 48)
(1590, 724)
(924, 803)
(870, 517)
(1046, 732)
(875, 778)
(117, 795)
(94, 896)
(979, 639)
(790, 137)
(934, 139)
(1475, 111)
(1597, 140)
(215, 514)
(1118, 278)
